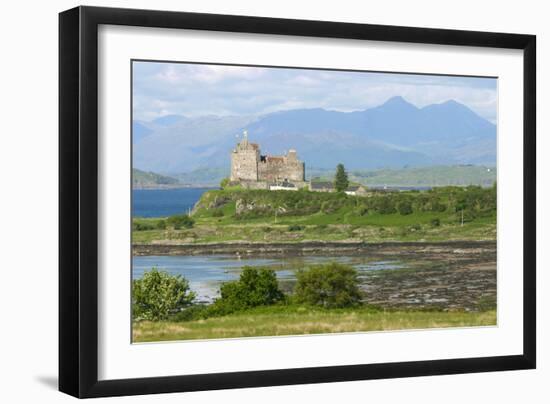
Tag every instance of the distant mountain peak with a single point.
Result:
(390, 135)
(398, 102)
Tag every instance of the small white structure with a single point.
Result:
(283, 186)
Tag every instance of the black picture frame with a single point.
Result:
(78, 200)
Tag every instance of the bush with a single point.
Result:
(139, 226)
(217, 213)
(161, 225)
(330, 285)
(405, 207)
(385, 205)
(158, 294)
(179, 221)
(295, 227)
(255, 287)
(435, 222)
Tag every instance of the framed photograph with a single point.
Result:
(251, 201)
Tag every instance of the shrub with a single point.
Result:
(405, 207)
(330, 285)
(255, 287)
(139, 226)
(295, 227)
(158, 294)
(179, 221)
(217, 213)
(435, 222)
(385, 205)
(161, 225)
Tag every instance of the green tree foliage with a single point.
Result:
(179, 221)
(158, 294)
(330, 285)
(405, 207)
(255, 287)
(385, 204)
(341, 181)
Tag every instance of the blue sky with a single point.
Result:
(197, 89)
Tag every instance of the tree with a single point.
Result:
(255, 287)
(341, 181)
(158, 294)
(330, 285)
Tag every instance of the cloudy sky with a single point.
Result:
(196, 90)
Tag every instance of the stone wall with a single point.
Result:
(281, 168)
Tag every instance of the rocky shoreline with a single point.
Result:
(450, 275)
(313, 247)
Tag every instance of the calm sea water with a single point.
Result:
(164, 202)
(206, 273)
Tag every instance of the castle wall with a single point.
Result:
(279, 169)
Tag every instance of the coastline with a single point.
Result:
(314, 247)
(173, 186)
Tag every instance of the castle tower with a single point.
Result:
(244, 160)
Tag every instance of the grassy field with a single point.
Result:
(284, 320)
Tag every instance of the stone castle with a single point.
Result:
(254, 170)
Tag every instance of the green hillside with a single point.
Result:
(143, 179)
(442, 214)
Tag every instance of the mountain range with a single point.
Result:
(393, 135)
